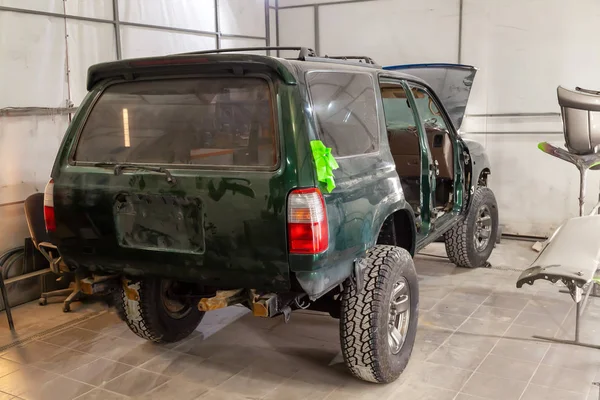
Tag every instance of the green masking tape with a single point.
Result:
(325, 164)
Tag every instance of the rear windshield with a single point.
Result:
(222, 122)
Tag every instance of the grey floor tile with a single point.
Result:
(8, 366)
(527, 332)
(295, 390)
(210, 373)
(99, 372)
(427, 334)
(473, 341)
(101, 394)
(427, 303)
(495, 314)
(556, 309)
(483, 327)
(521, 349)
(564, 379)
(218, 395)
(572, 357)
(24, 379)
(508, 368)
(108, 323)
(135, 383)
(536, 392)
(176, 389)
(252, 382)
(512, 302)
(457, 357)
(66, 361)
(540, 321)
(441, 320)
(171, 363)
(60, 388)
(457, 308)
(464, 396)
(493, 387)
(442, 376)
(462, 295)
(32, 352)
(121, 350)
(423, 392)
(435, 291)
(71, 338)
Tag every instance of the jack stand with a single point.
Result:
(579, 311)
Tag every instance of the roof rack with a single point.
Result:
(361, 59)
(305, 52)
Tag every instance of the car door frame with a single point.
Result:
(427, 186)
(438, 222)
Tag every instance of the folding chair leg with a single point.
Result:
(11, 324)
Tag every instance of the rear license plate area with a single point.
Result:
(159, 222)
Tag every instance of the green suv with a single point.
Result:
(202, 180)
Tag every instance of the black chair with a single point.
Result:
(34, 213)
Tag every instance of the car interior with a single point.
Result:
(403, 137)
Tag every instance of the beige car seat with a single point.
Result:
(405, 148)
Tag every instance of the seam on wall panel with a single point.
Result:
(514, 133)
(460, 28)
(117, 29)
(316, 3)
(134, 24)
(317, 34)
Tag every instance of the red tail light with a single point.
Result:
(308, 231)
(49, 217)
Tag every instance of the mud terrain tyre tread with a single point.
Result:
(459, 239)
(147, 318)
(363, 322)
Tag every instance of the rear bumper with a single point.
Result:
(267, 276)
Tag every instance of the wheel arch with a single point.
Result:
(398, 229)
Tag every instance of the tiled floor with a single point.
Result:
(474, 342)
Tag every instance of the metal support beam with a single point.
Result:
(35, 111)
(316, 3)
(277, 26)
(135, 24)
(217, 24)
(317, 38)
(460, 28)
(117, 29)
(268, 25)
(508, 115)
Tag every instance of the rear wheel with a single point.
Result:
(157, 314)
(470, 242)
(378, 325)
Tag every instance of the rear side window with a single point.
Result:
(346, 109)
(221, 122)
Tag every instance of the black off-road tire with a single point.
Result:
(148, 317)
(460, 246)
(364, 316)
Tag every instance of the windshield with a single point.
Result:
(210, 122)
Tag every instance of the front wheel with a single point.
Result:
(378, 325)
(153, 311)
(470, 242)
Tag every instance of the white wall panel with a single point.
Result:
(535, 192)
(188, 14)
(273, 27)
(55, 6)
(142, 42)
(242, 17)
(296, 28)
(391, 31)
(28, 146)
(13, 226)
(525, 49)
(230, 43)
(32, 66)
(90, 8)
(89, 43)
(285, 3)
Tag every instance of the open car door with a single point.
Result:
(451, 83)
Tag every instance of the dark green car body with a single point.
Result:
(227, 227)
